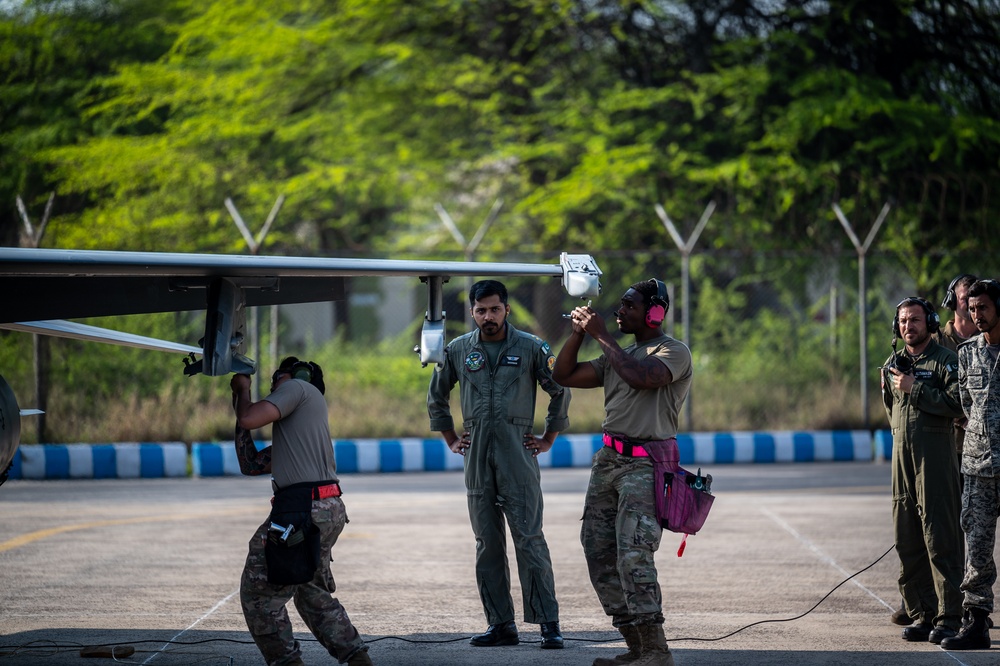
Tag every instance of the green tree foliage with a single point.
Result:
(777, 109)
(330, 105)
(581, 115)
(51, 54)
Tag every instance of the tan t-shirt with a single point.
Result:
(301, 448)
(646, 414)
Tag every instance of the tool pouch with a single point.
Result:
(294, 560)
(683, 499)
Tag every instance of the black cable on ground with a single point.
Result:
(48, 646)
(791, 619)
(754, 624)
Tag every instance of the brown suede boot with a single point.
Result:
(634, 643)
(654, 647)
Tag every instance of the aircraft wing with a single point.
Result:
(49, 284)
(68, 284)
(41, 285)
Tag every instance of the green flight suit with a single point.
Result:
(501, 475)
(925, 487)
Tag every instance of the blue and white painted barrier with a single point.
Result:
(713, 448)
(147, 460)
(101, 461)
(883, 444)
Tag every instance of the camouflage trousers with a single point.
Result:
(980, 509)
(264, 603)
(620, 535)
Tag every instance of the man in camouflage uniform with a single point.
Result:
(960, 327)
(920, 395)
(499, 369)
(645, 385)
(979, 386)
(301, 462)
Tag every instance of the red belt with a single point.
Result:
(322, 492)
(625, 447)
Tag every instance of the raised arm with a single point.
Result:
(251, 415)
(639, 374)
(568, 371)
(647, 373)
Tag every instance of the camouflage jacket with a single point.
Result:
(979, 387)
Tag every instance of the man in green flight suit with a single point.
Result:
(921, 398)
(498, 369)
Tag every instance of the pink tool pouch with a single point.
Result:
(683, 499)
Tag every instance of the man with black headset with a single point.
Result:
(960, 327)
(956, 331)
(979, 388)
(289, 555)
(920, 395)
(645, 385)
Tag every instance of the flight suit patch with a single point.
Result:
(510, 360)
(474, 361)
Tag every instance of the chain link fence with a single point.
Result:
(775, 337)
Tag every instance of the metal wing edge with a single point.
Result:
(45, 261)
(61, 328)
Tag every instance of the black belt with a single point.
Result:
(318, 489)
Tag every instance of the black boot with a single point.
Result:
(920, 631)
(974, 634)
(551, 636)
(496, 635)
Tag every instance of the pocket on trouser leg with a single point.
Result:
(639, 540)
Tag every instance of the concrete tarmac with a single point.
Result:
(154, 564)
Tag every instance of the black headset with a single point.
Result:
(302, 370)
(933, 321)
(656, 312)
(298, 370)
(950, 299)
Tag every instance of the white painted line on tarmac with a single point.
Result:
(823, 556)
(829, 560)
(214, 608)
(957, 660)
